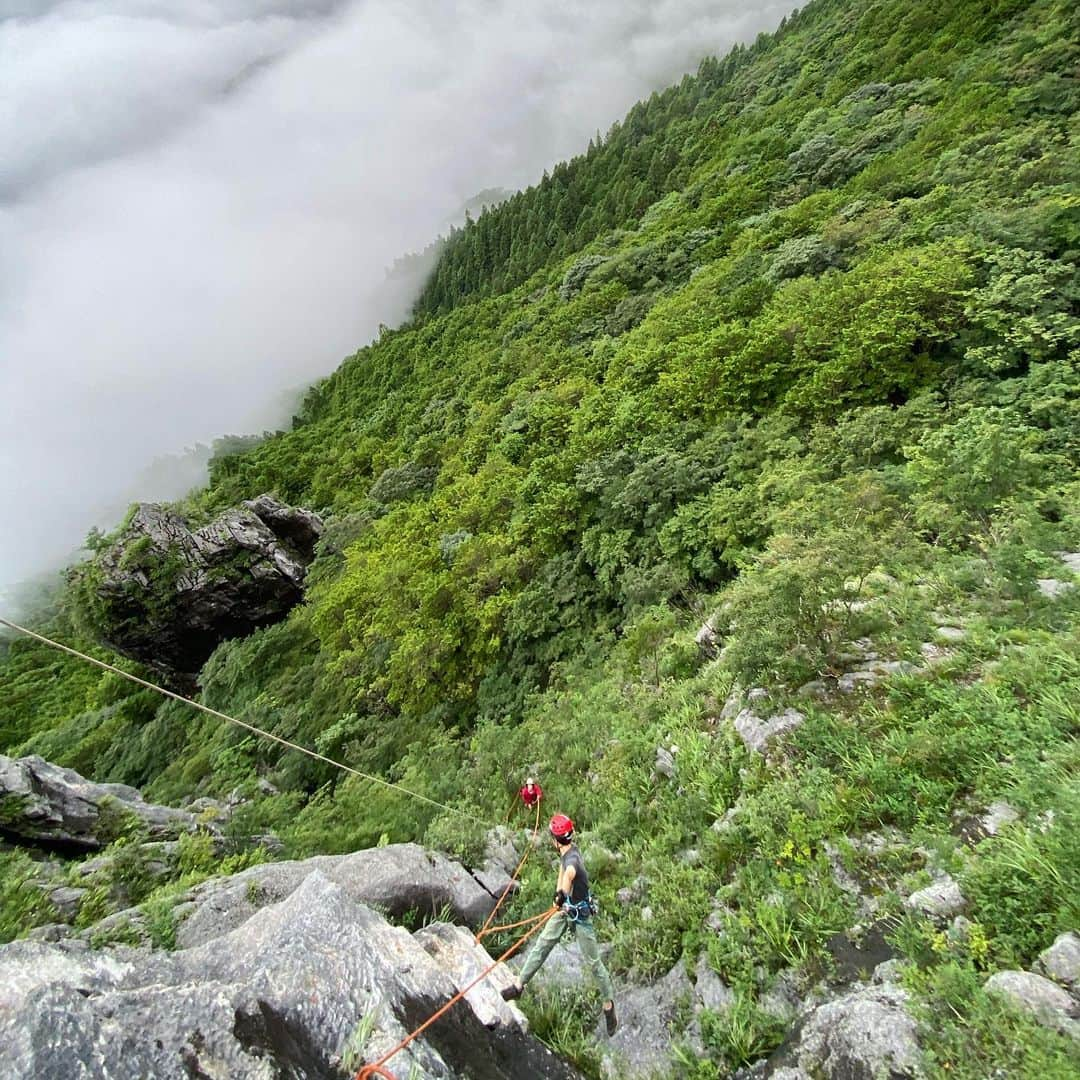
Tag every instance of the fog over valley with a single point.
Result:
(198, 204)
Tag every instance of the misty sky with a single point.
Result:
(198, 201)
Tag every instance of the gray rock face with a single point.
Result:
(864, 1035)
(641, 1047)
(170, 595)
(873, 673)
(707, 638)
(665, 761)
(45, 804)
(396, 879)
(1046, 1001)
(710, 990)
(998, 815)
(1061, 962)
(941, 900)
(457, 953)
(1052, 588)
(756, 734)
(314, 986)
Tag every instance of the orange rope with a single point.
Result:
(376, 1069)
(483, 931)
(509, 926)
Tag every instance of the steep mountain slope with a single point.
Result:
(795, 350)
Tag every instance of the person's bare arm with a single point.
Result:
(566, 879)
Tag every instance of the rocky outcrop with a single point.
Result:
(755, 723)
(168, 596)
(1053, 588)
(1061, 962)
(642, 1047)
(864, 1035)
(397, 879)
(1052, 997)
(940, 900)
(316, 985)
(756, 732)
(43, 804)
(1045, 1000)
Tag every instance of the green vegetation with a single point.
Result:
(795, 347)
(22, 905)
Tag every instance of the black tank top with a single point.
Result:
(579, 890)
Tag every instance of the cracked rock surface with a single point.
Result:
(169, 595)
(396, 879)
(42, 803)
(314, 985)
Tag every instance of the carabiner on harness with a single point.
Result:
(582, 911)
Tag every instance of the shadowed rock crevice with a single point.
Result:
(264, 1032)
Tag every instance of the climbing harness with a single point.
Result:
(231, 719)
(583, 910)
(377, 1068)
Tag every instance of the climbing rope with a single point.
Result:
(377, 1068)
(513, 925)
(231, 719)
(484, 931)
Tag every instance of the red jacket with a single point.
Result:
(531, 798)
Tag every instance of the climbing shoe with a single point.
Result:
(611, 1020)
(511, 992)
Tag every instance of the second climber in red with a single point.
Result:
(531, 793)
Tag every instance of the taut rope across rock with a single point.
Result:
(231, 719)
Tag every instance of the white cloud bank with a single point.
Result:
(197, 201)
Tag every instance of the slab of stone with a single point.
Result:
(1052, 588)
(756, 734)
(665, 762)
(455, 950)
(1045, 1000)
(642, 1047)
(396, 879)
(864, 1035)
(287, 993)
(998, 814)
(940, 900)
(710, 991)
(43, 803)
(1061, 961)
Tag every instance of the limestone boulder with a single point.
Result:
(863, 1035)
(397, 880)
(44, 804)
(168, 595)
(1061, 961)
(1045, 1000)
(316, 985)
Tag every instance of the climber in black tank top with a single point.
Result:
(575, 912)
(579, 886)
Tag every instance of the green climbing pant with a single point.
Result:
(556, 928)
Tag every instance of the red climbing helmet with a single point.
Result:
(562, 828)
